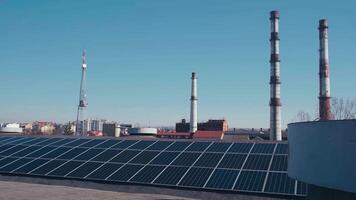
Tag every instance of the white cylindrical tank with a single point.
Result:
(142, 131)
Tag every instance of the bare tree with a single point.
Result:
(343, 109)
(301, 116)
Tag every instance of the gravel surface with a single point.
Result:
(28, 191)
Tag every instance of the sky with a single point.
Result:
(141, 53)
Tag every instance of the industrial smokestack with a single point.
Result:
(275, 83)
(193, 106)
(324, 80)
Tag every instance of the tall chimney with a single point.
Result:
(193, 106)
(275, 83)
(324, 80)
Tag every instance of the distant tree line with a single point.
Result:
(340, 108)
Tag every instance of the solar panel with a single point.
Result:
(178, 146)
(222, 179)
(232, 161)
(257, 162)
(279, 163)
(240, 148)
(31, 165)
(147, 174)
(104, 171)
(279, 183)
(208, 160)
(196, 177)
(250, 181)
(171, 175)
(263, 148)
(164, 158)
(198, 146)
(247, 167)
(125, 173)
(186, 159)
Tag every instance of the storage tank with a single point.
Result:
(142, 131)
(11, 128)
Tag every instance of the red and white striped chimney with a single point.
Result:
(324, 80)
(275, 83)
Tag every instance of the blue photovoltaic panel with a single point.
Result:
(125, 172)
(56, 152)
(108, 143)
(62, 142)
(49, 166)
(84, 169)
(64, 169)
(144, 157)
(302, 188)
(257, 162)
(40, 152)
(147, 174)
(178, 146)
(124, 144)
(186, 159)
(25, 151)
(20, 140)
(160, 145)
(209, 160)
(14, 165)
(12, 150)
(76, 143)
(72, 153)
(5, 147)
(282, 149)
(263, 148)
(33, 164)
(92, 143)
(106, 155)
(165, 158)
(240, 148)
(218, 147)
(141, 144)
(104, 171)
(232, 161)
(171, 175)
(48, 142)
(34, 141)
(196, 177)
(198, 146)
(91, 153)
(6, 160)
(222, 179)
(279, 163)
(125, 156)
(202, 165)
(279, 183)
(250, 181)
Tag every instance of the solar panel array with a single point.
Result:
(218, 166)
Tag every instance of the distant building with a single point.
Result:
(111, 129)
(96, 124)
(210, 125)
(182, 127)
(213, 125)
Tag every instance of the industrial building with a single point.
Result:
(210, 125)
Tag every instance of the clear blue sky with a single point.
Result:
(141, 55)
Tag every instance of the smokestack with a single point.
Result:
(324, 80)
(275, 83)
(193, 106)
